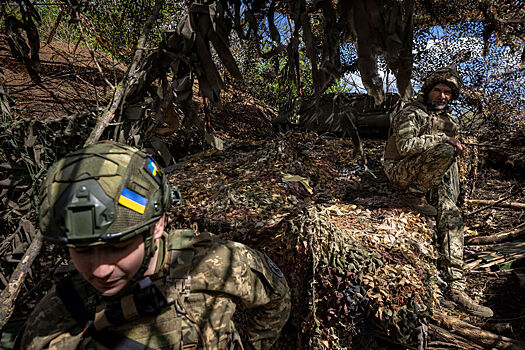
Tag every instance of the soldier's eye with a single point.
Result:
(85, 250)
(118, 248)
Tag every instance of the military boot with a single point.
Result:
(419, 203)
(461, 301)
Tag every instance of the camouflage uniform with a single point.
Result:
(419, 159)
(200, 304)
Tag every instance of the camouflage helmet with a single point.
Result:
(102, 193)
(444, 75)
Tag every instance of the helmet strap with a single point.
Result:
(148, 254)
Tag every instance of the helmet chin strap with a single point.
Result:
(149, 252)
(151, 237)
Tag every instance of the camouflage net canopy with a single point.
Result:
(32, 146)
(359, 268)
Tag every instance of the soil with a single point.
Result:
(71, 82)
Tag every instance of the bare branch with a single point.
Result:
(120, 91)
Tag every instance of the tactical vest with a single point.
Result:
(436, 123)
(154, 313)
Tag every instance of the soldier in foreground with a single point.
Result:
(420, 160)
(133, 285)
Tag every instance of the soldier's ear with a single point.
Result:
(158, 229)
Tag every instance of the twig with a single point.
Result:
(489, 204)
(10, 292)
(497, 238)
(55, 26)
(120, 89)
(29, 86)
(94, 57)
(496, 203)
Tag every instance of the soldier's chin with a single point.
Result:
(439, 106)
(108, 289)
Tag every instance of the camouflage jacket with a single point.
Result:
(415, 129)
(200, 305)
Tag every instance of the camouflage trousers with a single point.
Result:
(435, 173)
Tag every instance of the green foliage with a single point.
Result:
(112, 26)
(118, 24)
(66, 31)
(271, 80)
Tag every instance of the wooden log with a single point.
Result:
(495, 203)
(131, 74)
(10, 292)
(496, 238)
(449, 340)
(477, 335)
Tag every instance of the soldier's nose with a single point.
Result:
(102, 270)
(101, 265)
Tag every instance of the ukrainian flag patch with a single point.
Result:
(133, 201)
(154, 170)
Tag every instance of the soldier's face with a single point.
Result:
(110, 267)
(440, 96)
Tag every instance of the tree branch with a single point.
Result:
(121, 89)
(497, 238)
(10, 292)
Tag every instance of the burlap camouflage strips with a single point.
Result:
(222, 272)
(423, 162)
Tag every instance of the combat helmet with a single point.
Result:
(103, 193)
(444, 75)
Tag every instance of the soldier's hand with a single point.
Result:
(455, 142)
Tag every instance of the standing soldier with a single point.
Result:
(134, 286)
(420, 160)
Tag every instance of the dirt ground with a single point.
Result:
(71, 80)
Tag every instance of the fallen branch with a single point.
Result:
(477, 335)
(449, 340)
(122, 87)
(495, 203)
(496, 238)
(488, 203)
(10, 292)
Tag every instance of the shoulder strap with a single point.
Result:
(179, 259)
(75, 306)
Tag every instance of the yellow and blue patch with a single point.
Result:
(154, 170)
(133, 201)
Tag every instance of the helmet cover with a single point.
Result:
(102, 193)
(443, 75)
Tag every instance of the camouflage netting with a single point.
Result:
(359, 268)
(27, 149)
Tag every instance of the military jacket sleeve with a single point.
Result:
(411, 135)
(237, 271)
(50, 320)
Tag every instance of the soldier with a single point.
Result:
(134, 286)
(420, 160)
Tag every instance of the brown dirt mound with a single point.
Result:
(70, 81)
